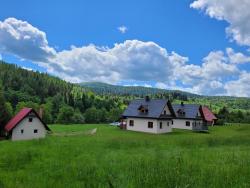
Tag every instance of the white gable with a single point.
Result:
(166, 110)
(29, 128)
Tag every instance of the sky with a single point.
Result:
(199, 46)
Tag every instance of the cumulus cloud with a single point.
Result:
(161, 85)
(24, 40)
(208, 78)
(235, 12)
(239, 87)
(123, 29)
(27, 68)
(131, 60)
(237, 57)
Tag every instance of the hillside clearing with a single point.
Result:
(116, 158)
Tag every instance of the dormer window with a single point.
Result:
(181, 112)
(143, 109)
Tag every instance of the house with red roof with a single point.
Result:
(208, 115)
(26, 125)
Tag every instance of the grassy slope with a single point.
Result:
(116, 158)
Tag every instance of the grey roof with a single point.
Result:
(155, 107)
(191, 110)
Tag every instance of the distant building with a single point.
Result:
(26, 125)
(160, 116)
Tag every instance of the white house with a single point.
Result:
(26, 125)
(160, 116)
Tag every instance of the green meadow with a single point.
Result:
(117, 158)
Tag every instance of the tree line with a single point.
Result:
(62, 102)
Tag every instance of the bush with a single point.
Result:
(65, 115)
(220, 122)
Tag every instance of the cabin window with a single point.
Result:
(131, 123)
(22, 131)
(168, 123)
(30, 119)
(188, 123)
(150, 125)
(160, 125)
(35, 131)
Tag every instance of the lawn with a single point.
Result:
(117, 158)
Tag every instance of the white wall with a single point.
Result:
(141, 125)
(181, 124)
(166, 126)
(28, 129)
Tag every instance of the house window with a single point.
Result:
(164, 112)
(30, 119)
(188, 123)
(131, 123)
(22, 131)
(150, 125)
(160, 125)
(168, 123)
(172, 122)
(35, 131)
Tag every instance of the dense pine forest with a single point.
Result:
(64, 102)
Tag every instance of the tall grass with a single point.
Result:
(116, 158)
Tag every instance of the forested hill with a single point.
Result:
(215, 102)
(61, 101)
(138, 91)
(64, 102)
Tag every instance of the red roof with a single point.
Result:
(19, 117)
(208, 115)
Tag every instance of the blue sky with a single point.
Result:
(79, 37)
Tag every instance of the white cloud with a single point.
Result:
(24, 40)
(208, 78)
(27, 68)
(1, 58)
(147, 85)
(235, 12)
(237, 57)
(161, 85)
(123, 29)
(132, 60)
(239, 87)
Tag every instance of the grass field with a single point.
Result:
(116, 158)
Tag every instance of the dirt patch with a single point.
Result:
(88, 132)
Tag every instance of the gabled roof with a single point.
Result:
(207, 114)
(20, 116)
(154, 106)
(190, 110)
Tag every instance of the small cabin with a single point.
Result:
(26, 125)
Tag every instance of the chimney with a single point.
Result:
(40, 113)
(147, 99)
(182, 103)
